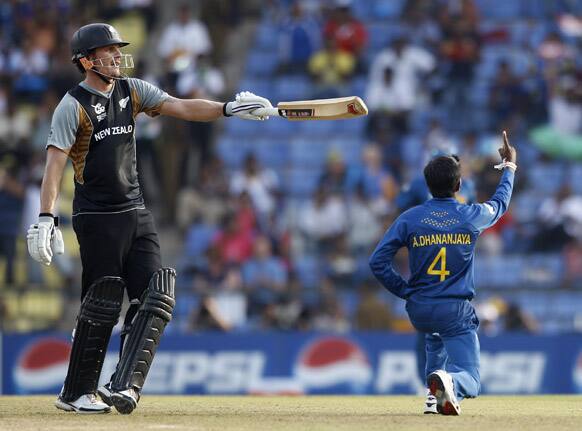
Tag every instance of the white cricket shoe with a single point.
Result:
(440, 384)
(430, 405)
(85, 404)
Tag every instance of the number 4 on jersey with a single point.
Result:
(442, 272)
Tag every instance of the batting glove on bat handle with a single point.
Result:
(244, 104)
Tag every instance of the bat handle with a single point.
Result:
(263, 112)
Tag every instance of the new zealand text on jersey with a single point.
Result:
(117, 130)
(441, 238)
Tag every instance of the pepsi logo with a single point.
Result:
(331, 361)
(43, 365)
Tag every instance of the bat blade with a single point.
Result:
(323, 109)
(320, 109)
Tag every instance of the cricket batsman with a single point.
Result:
(94, 126)
(440, 236)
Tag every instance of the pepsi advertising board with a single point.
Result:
(300, 363)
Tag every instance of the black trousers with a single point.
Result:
(123, 245)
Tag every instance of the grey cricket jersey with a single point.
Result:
(97, 132)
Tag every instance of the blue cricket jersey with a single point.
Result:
(440, 236)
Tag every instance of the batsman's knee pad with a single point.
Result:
(157, 306)
(98, 315)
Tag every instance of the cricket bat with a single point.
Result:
(321, 109)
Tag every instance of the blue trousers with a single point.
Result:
(452, 344)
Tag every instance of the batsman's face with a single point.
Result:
(107, 60)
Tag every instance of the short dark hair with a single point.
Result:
(443, 176)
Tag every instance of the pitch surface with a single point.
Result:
(254, 413)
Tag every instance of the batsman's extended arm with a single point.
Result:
(206, 110)
(192, 109)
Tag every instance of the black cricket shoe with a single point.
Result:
(125, 401)
(105, 393)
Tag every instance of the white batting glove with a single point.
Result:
(244, 103)
(44, 239)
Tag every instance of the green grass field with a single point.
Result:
(489, 413)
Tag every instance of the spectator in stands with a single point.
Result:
(234, 244)
(29, 66)
(562, 137)
(197, 242)
(15, 124)
(437, 139)
(329, 316)
(207, 317)
(321, 220)
(244, 211)
(364, 225)
(207, 198)
(559, 221)
(348, 34)
(12, 190)
(573, 264)
(499, 238)
(260, 183)
(330, 69)
(61, 75)
(553, 50)
(224, 303)
(499, 315)
(419, 24)
(490, 314)
(453, 10)
(518, 320)
(145, 8)
(340, 265)
(379, 185)
(396, 83)
(200, 80)
(182, 41)
(334, 177)
(507, 99)
(42, 121)
(299, 38)
(371, 313)
(284, 315)
(460, 50)
(566, 100)
(264, 276)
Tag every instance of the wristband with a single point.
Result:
(506, 164)
(224, 110)
(56, 219)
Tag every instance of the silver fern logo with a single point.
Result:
(123, 103)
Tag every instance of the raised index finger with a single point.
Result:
(505, 140)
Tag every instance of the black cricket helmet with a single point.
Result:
(92, 36)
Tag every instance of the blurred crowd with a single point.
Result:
(439, 77)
